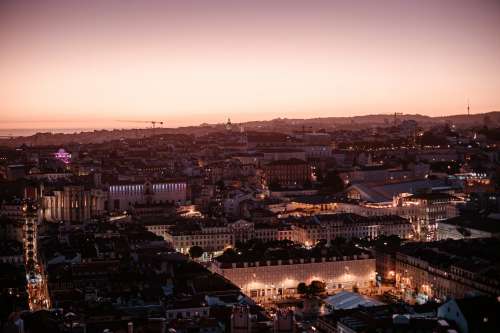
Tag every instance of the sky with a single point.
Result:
(90, 64)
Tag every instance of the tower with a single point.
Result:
(468, 108)
(228, 125)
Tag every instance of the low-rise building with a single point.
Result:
(275, 274)
(123, 195)
(448, 268)
(310, 230)
(209, 235)
(288, 173)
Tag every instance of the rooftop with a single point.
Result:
(477, 221)
(479, 255)
(288, 252)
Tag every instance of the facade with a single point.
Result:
(124, 195)
(209, 238)
(423, 211)
(274, 279)
(330, 226)
(451, 268)
(426, 210)
(288, 173)
(472, 314)
(73, 203)
(283, 154)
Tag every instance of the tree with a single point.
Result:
(195, 252)
(302, 288)
(317, 287)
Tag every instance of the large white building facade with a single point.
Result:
(271, 280)
(125, 195)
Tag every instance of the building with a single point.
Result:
(473, 314)
(470, 226)
(349, 300)
(310, 230)
(448, 268)
(190, 307)
(426, 210)
(211, 236)
(74, 203)
(386, 194)
(241, 321)
(122, 196)
(274, 275)
(281, 154)
(383, 319)
(288, 173)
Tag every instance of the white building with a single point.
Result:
(274, 279)
(327, 227)
(211, 238)
(122, 196)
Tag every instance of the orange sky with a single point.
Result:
(87, 64)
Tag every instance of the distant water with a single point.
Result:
(28, 131)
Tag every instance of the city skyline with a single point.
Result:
(71, 65)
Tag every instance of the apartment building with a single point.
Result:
(449, 268)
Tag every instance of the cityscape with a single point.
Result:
(185, 167)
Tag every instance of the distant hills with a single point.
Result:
(383, 119)
(491, 119)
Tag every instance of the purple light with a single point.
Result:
(63, 156)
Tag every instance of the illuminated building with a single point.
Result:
(451, 268)
(424, 211)
(271, 279)
(330, 226)
(211, 238)
(123, 196)
(72, 203)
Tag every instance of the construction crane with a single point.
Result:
(152, 122)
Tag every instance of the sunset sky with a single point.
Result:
(86, 64)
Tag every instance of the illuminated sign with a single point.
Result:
(63, 156)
